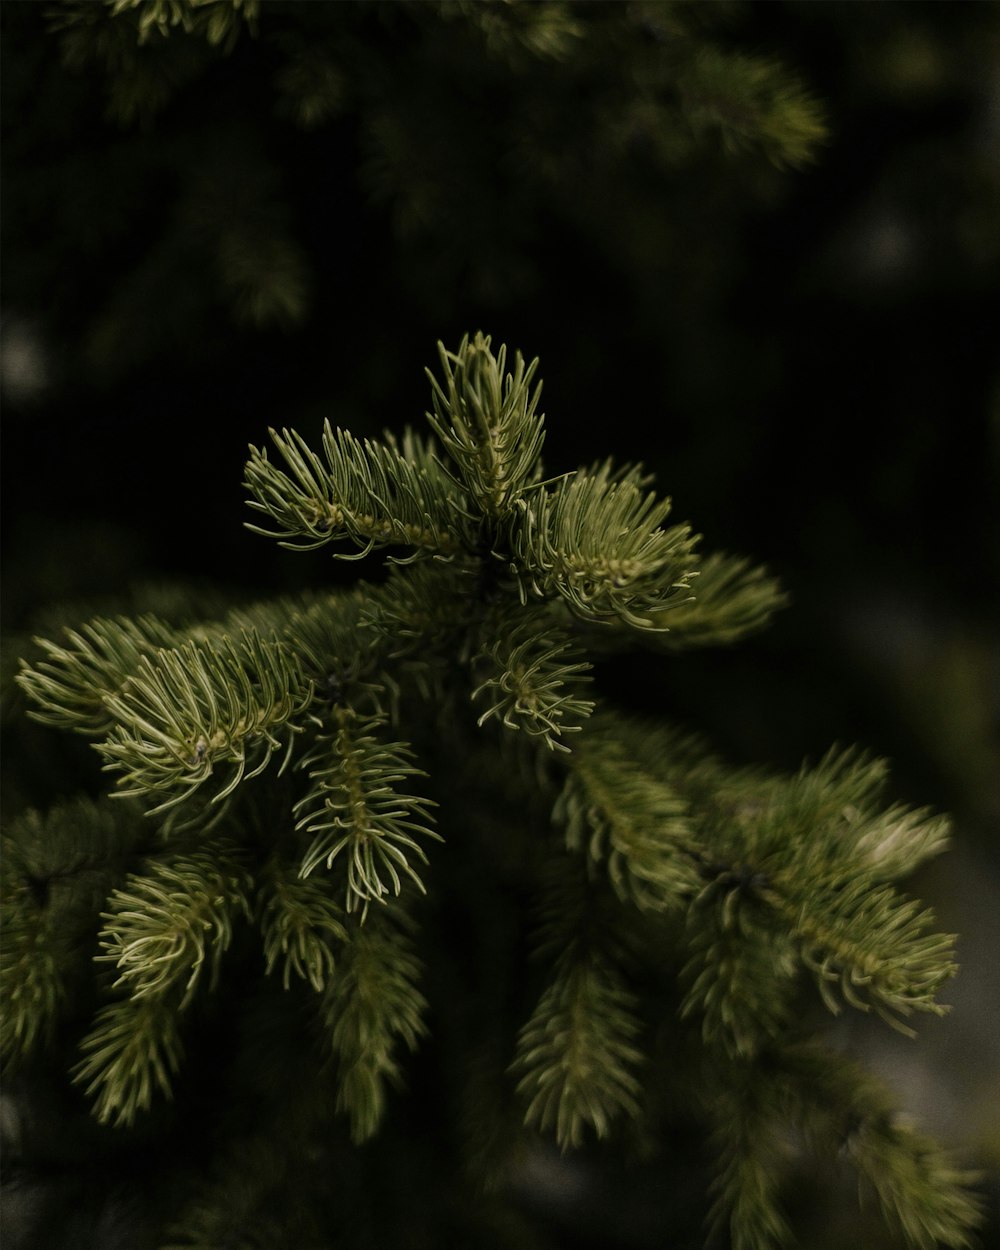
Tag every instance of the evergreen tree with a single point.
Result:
(353, 823)
(400, 920)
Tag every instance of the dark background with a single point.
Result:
(807, 358)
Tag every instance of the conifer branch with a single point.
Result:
(299, 924)
(250, 1198)
(131, 1054)
(426, 610)
(740, 981)
(71, 685)
(354, 810)
(371, 494)
(730, 598)
(31, 979)
(752, 1148)
(56, 870)
(773, 874)
(370, 1007)
(628, 819)
(601, 544)
(487, 421)
(325, 635)
(187, 712)
(827, 884)
(872, 944)
(536, 680)
(219, 21)
(575, 1057)
(165, 927)
(576, 1060)
(842, 799)
(924, 1195)
(799, 856)
(163, 931)
(750, 101)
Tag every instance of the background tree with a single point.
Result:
(219, 215)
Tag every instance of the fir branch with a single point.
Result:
(826, 881)
(337, 652)
(130, 1054)
(731, 598)
(487, 421)
(371, 494)
(354, 810)
(370, 1007)
(678, 758)
(740, 979)
(923, 1194)
(71, 685)
(76, 840)
(218, 21)
(575, 1057)
(626, 817)
(600, 543)
(751, 102)
(520, 33)
(56, 871)
(299, 924)
(894, 842)
(752, 1148)
(31, 979)
(843, 799)
(167, 926)
(837, 815)
(203, 707)
(871, 943)
(537, 679)
(803, 847)
(425, 610)
(322, 629)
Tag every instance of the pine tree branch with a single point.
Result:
(187, 712)
(601, 545)
(731, 598)
(628, 819)
(56, 870)
(355, 811)
(487, 421)
(370, 1007)
(923, 1194)
(131, 1054)
(71, 685)
(749, 102)
(166, 927)
(218, 21)
(576, 1060)
(753, 1152)
(426, 610)
(369, 493)
(740, 979)
(843, 799)
(872, 944)
(535, 678)
(31, 980)
(300, 924)
(575, 1057)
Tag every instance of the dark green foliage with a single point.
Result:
(220, 217)
(287, 755)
